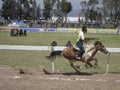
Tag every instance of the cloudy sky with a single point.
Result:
(75, 3)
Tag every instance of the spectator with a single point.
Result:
(25, 33)
(12, 32)
(21, 32)
(54, 43)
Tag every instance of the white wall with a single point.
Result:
(70, 19)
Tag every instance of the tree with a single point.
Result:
(8, 9)
(112, 9)
(19, 9)
(65, 7)
(90, 10)
(33, 9)
(48, 6)
(38, 12)
(92, 3)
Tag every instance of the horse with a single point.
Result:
(70, 54)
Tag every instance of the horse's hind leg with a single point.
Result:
(96, 62)
(74, 67)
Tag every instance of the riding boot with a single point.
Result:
(77, 57)
(80, 54)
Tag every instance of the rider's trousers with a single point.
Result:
(80, 46)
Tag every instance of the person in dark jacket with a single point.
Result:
(54, 43)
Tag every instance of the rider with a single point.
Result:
(80, 40)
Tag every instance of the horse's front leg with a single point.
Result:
(96, 62)
(90, 65)
(76, 68)
(87, 62)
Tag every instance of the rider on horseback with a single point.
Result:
(80, 40)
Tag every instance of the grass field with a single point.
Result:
(45, 38)
(36, 59)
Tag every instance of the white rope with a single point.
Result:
(108, 60)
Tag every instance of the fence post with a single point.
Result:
(53, 59)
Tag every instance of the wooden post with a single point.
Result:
(53, 59)
(108, 59)
(53, 65)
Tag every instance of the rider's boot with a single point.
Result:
(77, 57)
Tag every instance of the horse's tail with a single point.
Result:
(53, 54)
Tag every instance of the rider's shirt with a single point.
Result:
(81, 36)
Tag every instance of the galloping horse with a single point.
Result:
(70, 54)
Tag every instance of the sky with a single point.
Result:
(75, 3)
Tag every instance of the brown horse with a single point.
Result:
(70, 54)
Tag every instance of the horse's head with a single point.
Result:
(100, 47)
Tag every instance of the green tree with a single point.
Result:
(112, 9)
(38, 12)
(48, 7)
(24, 8)
(92, 3)
(65, 7)
(90, 10)
(19, 9)
(8, 9)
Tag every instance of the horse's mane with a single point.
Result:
(90, 47)
(97, 42)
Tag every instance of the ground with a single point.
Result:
(36, 79)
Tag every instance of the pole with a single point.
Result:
(108, 59)
(53, 65)
(53, 59)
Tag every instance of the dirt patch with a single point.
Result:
(34, 79)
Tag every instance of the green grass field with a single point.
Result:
(45, 38)
(36, 59)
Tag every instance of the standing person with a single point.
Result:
(20, 32)
(54, 43)
(12, 32)
(25, 33)
(80, 40)
(68, 44)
